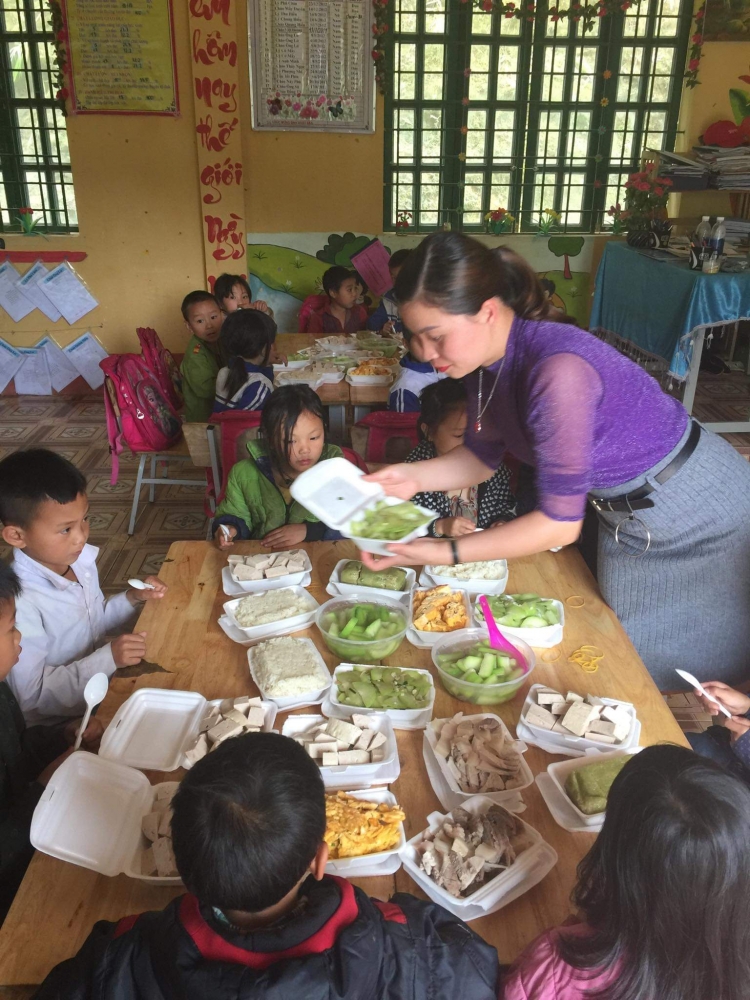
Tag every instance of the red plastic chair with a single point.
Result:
(355, 459)
(311, 304)
(233, 424)
(384, 427)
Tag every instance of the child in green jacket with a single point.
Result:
(201, 362)
(257, 502)
(28, 755)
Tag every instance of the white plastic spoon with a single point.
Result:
(94, 693)
(699, 687)
(225, 532)
(140, 585)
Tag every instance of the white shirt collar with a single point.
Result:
(28, 568)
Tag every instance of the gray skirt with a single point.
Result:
(686, 601)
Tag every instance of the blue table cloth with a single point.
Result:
(658, 306)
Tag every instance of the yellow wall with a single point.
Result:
(139, 206)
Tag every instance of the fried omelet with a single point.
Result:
(355, 827)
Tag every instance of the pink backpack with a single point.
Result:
(311, 304)
(147, 419)
(162, 364)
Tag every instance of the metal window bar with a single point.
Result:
(547, 130)
(35, 167)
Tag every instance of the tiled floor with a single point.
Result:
(724, 398)
(75, 427)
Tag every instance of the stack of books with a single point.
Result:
(730, 168)
(685, 173)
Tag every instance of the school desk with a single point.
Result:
(59, 902)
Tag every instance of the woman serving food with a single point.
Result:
(673, 500)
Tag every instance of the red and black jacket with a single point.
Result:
(340, 944)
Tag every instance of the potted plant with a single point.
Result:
(499, 221)
(619, 216)
(548, 220)
(646, 203)
(403, 222)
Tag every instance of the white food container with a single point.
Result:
(527, 870)
(542, 638)
(233, 589)
(425, 640)
(560, 770)
(291, 366)
(381, 863)
(336, 493)
(285, 704)
(343, 589)
(279, 583)
(396, 715)
(458, 797)
(369, 379)
(342, 777)
(472, 586)
(561, 808)
(155, 726)
(580, 744)
(281, 627)
(90, 815)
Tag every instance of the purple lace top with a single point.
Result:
(584, 415)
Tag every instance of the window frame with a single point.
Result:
(531, 40)
(55, 215)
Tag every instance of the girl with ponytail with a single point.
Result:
(246, 341)
(672, 500)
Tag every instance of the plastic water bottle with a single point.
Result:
(718, 235)
(701, 238)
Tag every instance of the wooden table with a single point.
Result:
(59, 902)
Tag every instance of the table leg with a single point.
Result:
(360, 412)
(691, 382)
(337, 422)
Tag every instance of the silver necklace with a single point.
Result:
(481, 410)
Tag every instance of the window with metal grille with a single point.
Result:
(485, 111)
(34, 157)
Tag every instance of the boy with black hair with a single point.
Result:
(62, 612)
(386, 318)
(200, 364)
(261, 917)
(341, 314)
(415, 375)
(28, 757)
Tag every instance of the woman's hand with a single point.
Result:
(735, 701)
(397, 480)
(286, 535)
(454, 527)
(422, 552)
(221, 538)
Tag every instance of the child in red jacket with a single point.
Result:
(261, 917)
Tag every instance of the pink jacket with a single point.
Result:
(540, 974)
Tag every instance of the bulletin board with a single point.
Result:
(310, 65)
(121, 57)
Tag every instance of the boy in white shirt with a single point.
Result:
(61, 613)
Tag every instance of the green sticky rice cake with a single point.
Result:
(388, 579)
(588, 787)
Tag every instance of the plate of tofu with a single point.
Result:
(475, 755)
(435, 612)
(159, 729)
(353, 754)
(226, 718)
(265, 571)
(92, 814)
(572, 725)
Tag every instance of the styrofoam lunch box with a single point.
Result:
(542, 638)
(396, 715)
(471, 586)
(431, 741)
(336, 493)
(381, 863)
(233, 589)
(578, 742)
(292, 701)
(369, 379)
(426, 639)
(343, 777)
(527, 870)
(90, 814)
(155, 726)
(343, 589)
(560, 770)
(295, 623)
(280, 583)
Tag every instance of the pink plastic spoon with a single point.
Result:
(497, 639)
